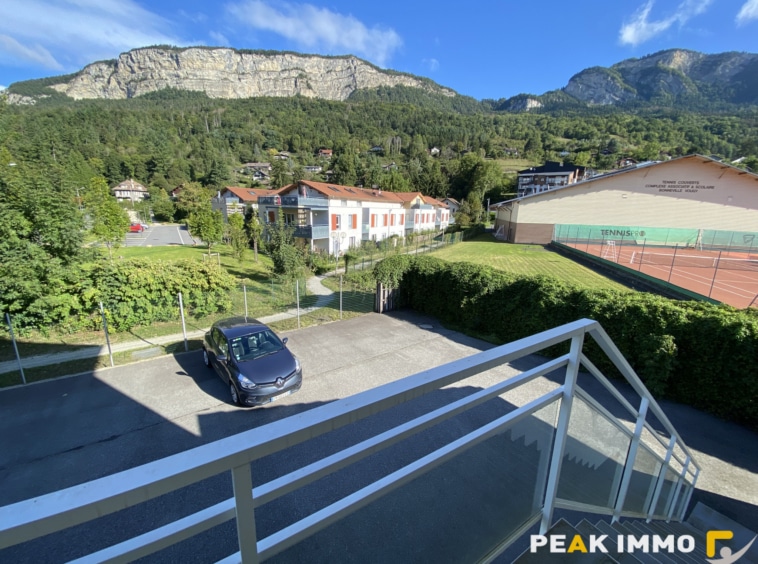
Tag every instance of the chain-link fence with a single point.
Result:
(368, 255)
(283, 304)
(719, 265)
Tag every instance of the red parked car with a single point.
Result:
(136, 228)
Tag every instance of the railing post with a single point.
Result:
(561, 432)
(184, 327)
(630, 458)
(661, 479)
(107, 336)
(15, 347)
(297, 290)
(686, 503)
(678, 489)
(244, 291)
(243, 502)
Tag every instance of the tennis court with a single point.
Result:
(724, 272)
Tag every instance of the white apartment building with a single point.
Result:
(334, 218)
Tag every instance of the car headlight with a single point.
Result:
(245, 382)
(297, 364)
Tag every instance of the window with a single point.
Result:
(289, 218)
(271, 217)
(335, 222)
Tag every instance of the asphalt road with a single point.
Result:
(61, 433)
(160, 235)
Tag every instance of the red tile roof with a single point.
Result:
(248, 194)
(338, 192)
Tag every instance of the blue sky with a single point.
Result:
(484, 49)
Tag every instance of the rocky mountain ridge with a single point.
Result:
(667, 76)
(231, 73)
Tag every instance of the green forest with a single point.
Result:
(57, 157)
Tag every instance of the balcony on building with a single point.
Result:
(293, 201)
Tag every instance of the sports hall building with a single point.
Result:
(692, 192)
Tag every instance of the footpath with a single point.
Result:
(313, 284)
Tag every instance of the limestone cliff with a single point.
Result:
(230, 73)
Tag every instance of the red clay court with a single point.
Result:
(730, 277)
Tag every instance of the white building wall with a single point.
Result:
(681, 193)
(382, 231)
(344, 210)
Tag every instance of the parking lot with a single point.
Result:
(159, 235)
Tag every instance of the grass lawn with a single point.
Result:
(525, 259)
(515, 165)
(246, 269)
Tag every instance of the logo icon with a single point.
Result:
(727, 556)
(279, 382)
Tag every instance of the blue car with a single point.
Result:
(252, 360)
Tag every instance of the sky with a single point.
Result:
(490, 49)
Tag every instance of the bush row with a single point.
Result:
(700, 354)
(133, 292)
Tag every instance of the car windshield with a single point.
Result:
(255, 345)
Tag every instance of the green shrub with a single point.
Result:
(140, 292)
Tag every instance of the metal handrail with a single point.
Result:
(57, 511)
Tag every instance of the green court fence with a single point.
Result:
(668, 237)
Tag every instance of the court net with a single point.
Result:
(690, 261)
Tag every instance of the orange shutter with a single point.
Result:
(373, 220)
(354, 222)
(392, 219)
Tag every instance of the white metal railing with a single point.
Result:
(666, 498)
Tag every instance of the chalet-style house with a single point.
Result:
(333, 218)
(235, 199)
(325, 153)
(259, 171)
(453, 205)
(549, 176)
(130, 190)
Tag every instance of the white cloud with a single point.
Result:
(11, 50)
(57, 34)
(748, 12)
(432, 64)
(641, 29)
(218, 38)
(312, 27)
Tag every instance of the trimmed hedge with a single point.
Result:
(696, 353)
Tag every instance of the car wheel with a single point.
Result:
(234, 394)
(206, 358)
